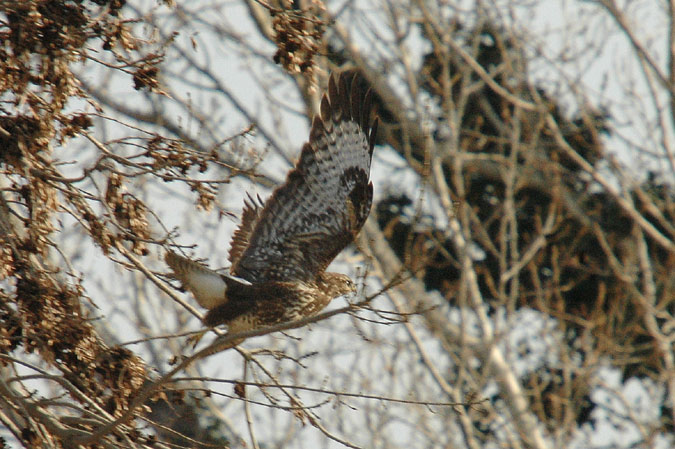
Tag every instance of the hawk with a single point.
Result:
(282, 247)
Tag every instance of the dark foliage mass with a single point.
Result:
(571, 277)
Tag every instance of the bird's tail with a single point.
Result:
(207, 286)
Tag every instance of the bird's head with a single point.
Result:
(336, 284)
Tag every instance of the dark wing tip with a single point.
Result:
(373, 134)
(344, 99)
(318, 129)
(333, 94)
(351, 97)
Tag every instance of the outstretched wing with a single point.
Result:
(325, 200)
(249, 217)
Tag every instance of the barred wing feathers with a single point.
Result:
(325, 199)
(249, 217)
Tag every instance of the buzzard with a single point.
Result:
(282, 247)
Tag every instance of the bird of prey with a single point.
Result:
(283, 246)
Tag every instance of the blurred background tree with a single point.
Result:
(520, 252)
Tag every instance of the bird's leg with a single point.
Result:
(196, 338)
